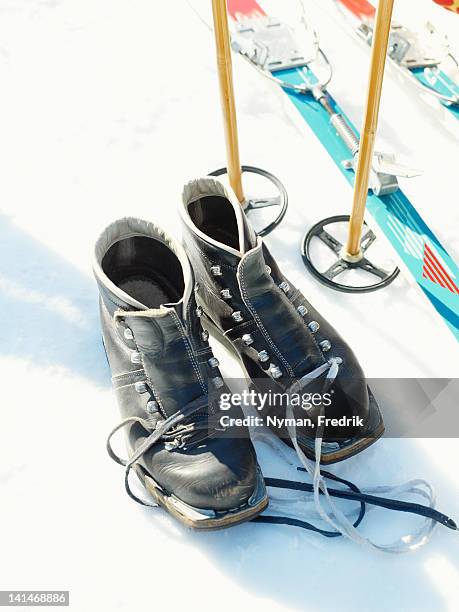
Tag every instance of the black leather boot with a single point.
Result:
(162, 367)
(282, 342)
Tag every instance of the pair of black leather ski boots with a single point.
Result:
(157, 310)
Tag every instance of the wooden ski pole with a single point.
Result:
(225, 74)
(378, 59)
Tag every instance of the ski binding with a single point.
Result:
(384, 173)
(405, 47)
(269, 44)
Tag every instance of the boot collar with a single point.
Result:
(210, 186)
(129, 227)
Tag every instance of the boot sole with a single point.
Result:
(328, 456)
(207, 520)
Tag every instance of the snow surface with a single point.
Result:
(107, 107)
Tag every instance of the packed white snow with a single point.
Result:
(107, 108)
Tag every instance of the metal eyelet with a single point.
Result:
(268, 270)
(205, 335)
(237, 316)
(302, 310)
(263, 356)
(136, 357)
(226, 294)
(216, 271)
(325, 345)
(284, 286)
(128, 335)
(141, 387)
(314, 326)
(218, 382)
(275, 371)
(152, 407)
(172, 445)
(213, 362)
(247, 339)
(199, 311)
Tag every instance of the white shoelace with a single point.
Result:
(328, 511)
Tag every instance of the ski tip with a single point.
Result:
(451, 524)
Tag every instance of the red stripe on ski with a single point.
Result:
(434, 276)
(441, 277)
(360, 8)
(441, 270)
(244, 8)
(436, 272)
(426, 274)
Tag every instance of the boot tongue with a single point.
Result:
(167, 359)
(160, 336)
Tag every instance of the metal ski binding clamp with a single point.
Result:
(409, 52)
(257, 209)
(268, 43)
(405, 47)
(270, 46)
(385, 170)
(355, 266)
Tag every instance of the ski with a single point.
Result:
(269, 46)
(418, 57)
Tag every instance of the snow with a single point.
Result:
(107, 108)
